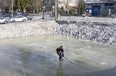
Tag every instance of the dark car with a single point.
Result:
(29, 17)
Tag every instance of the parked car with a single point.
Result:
(4, 20)
(18, 19)
(5, 16)
(29, 17)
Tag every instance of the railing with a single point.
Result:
(101, 1)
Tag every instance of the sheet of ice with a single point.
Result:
(36, 56)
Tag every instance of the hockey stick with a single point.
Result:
(69, 60)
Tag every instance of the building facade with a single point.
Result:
(101, 7)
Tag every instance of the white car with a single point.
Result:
(18, 19)
(4, 20)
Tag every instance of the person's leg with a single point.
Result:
(60, 58)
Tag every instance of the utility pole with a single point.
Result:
(12, 7)
(43, 12)
(33, 4)
(56, 9)
(67, 8)
(43, 8)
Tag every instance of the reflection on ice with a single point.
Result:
(59, 70)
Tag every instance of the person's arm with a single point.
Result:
(62, 50)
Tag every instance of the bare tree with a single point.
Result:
(37, 4)
(81, 6)
(5, 5)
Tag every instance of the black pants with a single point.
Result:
(60, 57)
(60, 54)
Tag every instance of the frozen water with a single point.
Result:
(36, 56)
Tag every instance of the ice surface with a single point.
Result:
(36, 56)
